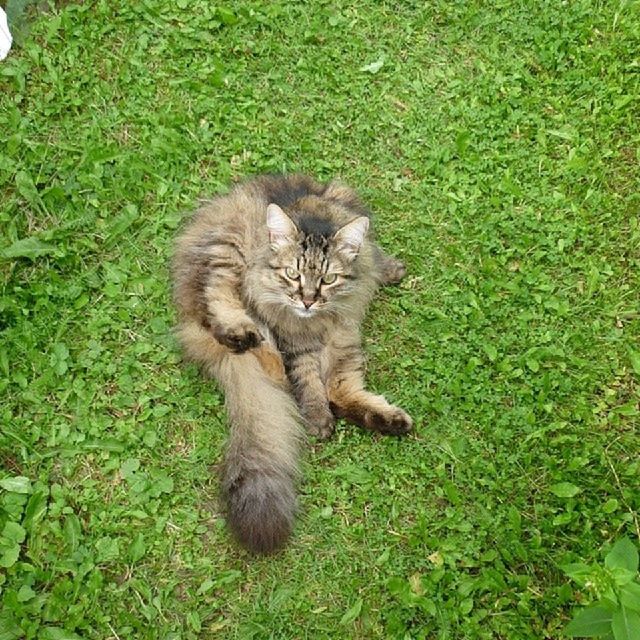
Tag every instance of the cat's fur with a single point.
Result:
(283, 343)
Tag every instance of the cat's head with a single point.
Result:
(312, 261)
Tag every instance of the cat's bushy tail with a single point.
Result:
(261, 463)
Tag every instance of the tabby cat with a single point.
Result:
(272, 281)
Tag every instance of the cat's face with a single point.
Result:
(312, 263)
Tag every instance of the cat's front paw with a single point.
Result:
(319, 423)
(239, 338)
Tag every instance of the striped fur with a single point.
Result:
(271, 282)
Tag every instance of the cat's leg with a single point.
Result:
(225, 314)
(308, 388)
(350, 400)
(232, 327)
(390, 269)
(271, 362)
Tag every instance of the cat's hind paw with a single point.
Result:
(392, 271)
(393, 421)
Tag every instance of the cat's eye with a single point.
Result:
(291, 273)
(329, 278)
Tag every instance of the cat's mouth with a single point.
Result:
(305, 310)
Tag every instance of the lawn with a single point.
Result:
(498, 146)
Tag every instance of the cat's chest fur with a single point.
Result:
(293, 335)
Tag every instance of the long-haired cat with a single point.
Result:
(272, 281)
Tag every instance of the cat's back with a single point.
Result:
(239, 216)
(285, 190)
(242, 209)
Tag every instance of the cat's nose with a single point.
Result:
(307, 303)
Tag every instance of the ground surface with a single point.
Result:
(497, 144)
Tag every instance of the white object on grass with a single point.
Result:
(5, 35)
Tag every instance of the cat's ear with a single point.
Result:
(350, 237)
(282, 229)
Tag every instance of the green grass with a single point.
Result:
(498, 145)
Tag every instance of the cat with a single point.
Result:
(271, 283)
